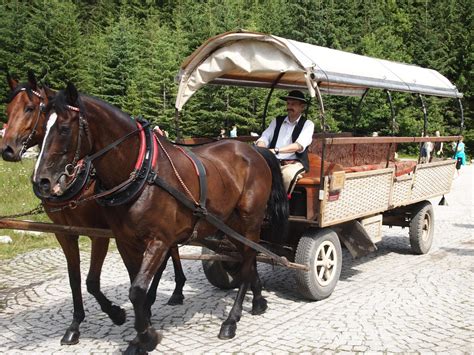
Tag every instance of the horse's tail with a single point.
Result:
(277, 206)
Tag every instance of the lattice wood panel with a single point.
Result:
(401, 192)
(432, 180)
(363, 194)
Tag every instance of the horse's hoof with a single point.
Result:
(227, 330)
(134, 349)
(117, 315)
(175, 300)
(150, 339)
(259, 306)
(71, 337)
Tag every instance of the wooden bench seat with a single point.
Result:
(401, 167)
(312, 177)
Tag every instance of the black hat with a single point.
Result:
(294, 95)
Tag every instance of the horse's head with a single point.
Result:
(26, 119)
(66, 141)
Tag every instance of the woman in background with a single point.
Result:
(459, 155)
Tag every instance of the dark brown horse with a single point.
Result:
(241, 182)
(26, 123)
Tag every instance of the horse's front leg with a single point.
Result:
(151, 294)
(99, 248)
(177, 297)
(147, 337)
(70, 247)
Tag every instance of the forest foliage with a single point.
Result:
(129, 52)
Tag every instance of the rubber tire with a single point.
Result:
(221, 274)
(313, 242)
(422, 228)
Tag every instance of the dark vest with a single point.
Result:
(302, 157)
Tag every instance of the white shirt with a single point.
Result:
(284, 137)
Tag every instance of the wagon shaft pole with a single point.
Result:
(260, 258)
(54, 228)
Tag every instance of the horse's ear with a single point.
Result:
(71, 94)
(12, 83)
(50, 93)
(43, 75)
(32, 79)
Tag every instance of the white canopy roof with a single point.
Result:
(257, 60)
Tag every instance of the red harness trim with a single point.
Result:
(141, 152)
(156, 152)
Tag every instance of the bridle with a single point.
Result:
(42, 106)
(71, 169)
(74, 167)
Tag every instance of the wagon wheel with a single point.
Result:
(221, 274)
(320, 250)
(422, 228)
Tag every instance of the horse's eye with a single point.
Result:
(64, 130)
(29, 109)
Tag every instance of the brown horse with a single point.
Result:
(26, 122)
(241, 182)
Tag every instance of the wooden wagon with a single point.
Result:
(355, 184)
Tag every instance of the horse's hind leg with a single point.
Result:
(177, 297)
(69, 244)
(247, 272)
(259, 304)
(99, 248)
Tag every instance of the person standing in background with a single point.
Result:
(426, 150)
(438, 148)
(460, 155)
(233, 131)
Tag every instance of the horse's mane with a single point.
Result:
(59, 102)
(20, 87)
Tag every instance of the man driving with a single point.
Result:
(288, 137)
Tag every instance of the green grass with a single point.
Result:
(407, 156)
(16, 196)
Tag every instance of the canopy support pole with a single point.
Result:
(265, 110)
(392, 110)
(356, 117)
(425, 123)
(324, 128)
(392, 113)
(461, 129)
(176, 125)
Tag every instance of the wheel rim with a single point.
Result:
(325, 263)
(425, 234)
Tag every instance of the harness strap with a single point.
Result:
(215, 221)
(115, 143)
(202, 177)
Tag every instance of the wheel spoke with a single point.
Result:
(319, 262)
(321, 273)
